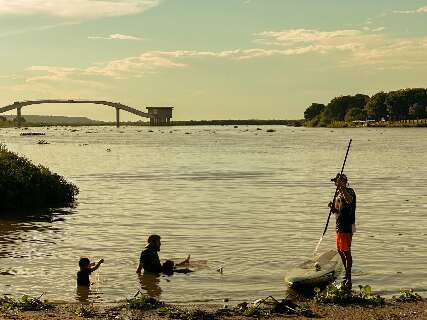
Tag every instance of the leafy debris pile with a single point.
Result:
(339, 294)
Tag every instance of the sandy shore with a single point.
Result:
(390, 311)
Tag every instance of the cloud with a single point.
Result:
(419, 10)
(133, 66)
(53, 73)
(76, 8)
(360, 47)
(116, 36)
(355, 48)
(296, 36)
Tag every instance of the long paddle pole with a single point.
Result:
(335, 196)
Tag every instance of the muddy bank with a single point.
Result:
(390, 311)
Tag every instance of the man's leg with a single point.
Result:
(344, 260)
(349, 262)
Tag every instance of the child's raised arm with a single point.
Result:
(98, 264)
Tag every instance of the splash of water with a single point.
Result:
(318, 245)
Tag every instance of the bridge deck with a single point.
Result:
(117, 105)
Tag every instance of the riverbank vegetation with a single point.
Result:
(333, 303)
(25, 186)
(401, 108)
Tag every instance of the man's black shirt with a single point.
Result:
(150, 260)
(346, 214)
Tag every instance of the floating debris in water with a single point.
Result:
(32, 134)
(108, 150)
(271, 130)
(42, 142)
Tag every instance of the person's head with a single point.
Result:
(168, 266)
(340, 180)
(153, 241)
(84, 263)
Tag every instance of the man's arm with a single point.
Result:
(139, 269)
(185, 262)
(333, 207)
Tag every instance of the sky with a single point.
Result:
(221, 59)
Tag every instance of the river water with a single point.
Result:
(249, 201)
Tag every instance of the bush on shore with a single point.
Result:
(24, 185)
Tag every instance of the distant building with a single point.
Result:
(160, 116)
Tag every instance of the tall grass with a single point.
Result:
(24, 185)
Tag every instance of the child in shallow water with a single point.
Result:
(86, 268)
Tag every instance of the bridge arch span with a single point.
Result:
(157, 116)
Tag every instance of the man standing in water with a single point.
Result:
(149, 259)
(150, 262)
(345, 212)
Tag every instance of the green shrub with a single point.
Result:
(338, 294)
(85, 312)
(143, 302)
(25, 303)
(407, 295)
(270, 306)
(24, 185)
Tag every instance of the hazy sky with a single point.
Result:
(210, 59)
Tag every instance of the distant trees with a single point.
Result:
(376, 108)
(398, 102)
(355, 114)
(417, 111)
(314, 110)
(395, 105)
(17, 119)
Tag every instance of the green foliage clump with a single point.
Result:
(85, 312)
(337, 294)
(407, 295)
(270, 306)
(263, 307)
(25, 303)
(143, 302)
(24, 185)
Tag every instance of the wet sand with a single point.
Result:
(390, 311)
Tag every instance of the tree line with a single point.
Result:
(404, 104)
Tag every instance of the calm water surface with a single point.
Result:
(252, 202)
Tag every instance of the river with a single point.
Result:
(250, 201)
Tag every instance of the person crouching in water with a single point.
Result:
(345, 213)
(86, 268)
(169, 268)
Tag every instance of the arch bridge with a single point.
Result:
(159, 116)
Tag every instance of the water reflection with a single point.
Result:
(82, 294)
(22, 235)
(150, 283)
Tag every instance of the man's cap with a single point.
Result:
(339, 175)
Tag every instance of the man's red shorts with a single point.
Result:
(344, 241)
